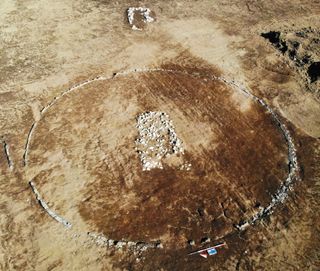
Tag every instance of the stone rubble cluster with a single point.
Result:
(185, 166)
(101, 240)
(145, 12)
(157, 139)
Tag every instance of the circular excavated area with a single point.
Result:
(84, 159)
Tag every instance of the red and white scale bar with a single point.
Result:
(204, 252)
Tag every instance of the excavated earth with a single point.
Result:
(83, 157)
(239, 82)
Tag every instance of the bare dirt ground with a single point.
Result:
(74, 77)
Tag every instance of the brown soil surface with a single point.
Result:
(238, 158)
(79, 147)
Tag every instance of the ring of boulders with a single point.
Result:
(279, 197)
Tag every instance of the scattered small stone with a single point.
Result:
(121, 244)
(110, 243)
(137, 16)
(185, 166)
(159, 245)
(157, 139)
(205, 240)
(131, 244)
